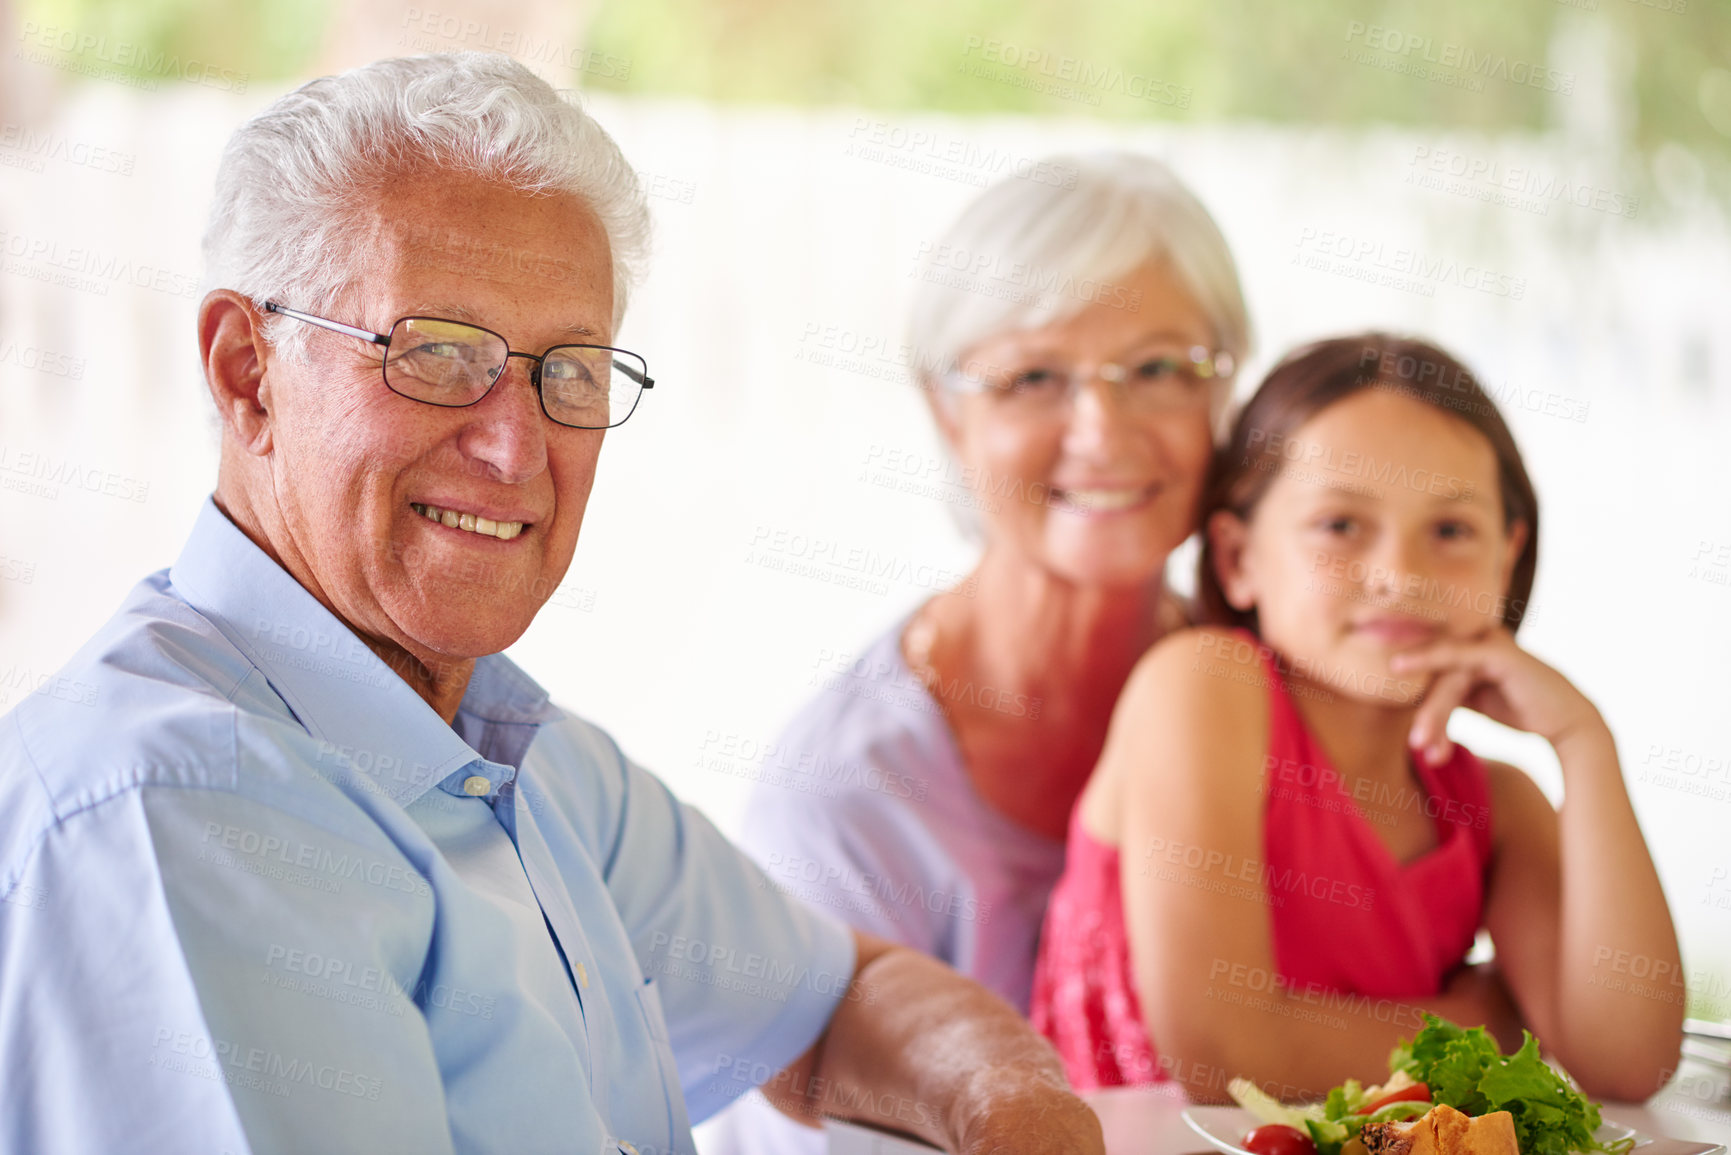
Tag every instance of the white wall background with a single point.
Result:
(771, 233)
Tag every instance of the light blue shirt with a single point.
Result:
(259, 897)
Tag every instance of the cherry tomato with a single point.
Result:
(1279, 1139)
(1417, 1093)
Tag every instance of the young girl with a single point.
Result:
(1281, 861)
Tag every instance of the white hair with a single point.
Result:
(1027, 253)
(295, 179)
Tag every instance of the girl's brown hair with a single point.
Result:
(1316, 376)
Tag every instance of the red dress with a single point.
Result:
(1347, 916)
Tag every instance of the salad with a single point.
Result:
(1442, 1064)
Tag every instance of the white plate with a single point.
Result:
(1226, 1127)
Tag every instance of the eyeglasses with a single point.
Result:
(1156, 379)
(454, 364)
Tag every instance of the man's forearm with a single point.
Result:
(925, 1051)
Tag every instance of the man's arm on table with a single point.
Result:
(918, 1048)
(906, 1043)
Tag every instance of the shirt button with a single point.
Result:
(476, 785)
(582, 976)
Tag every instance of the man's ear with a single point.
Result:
(1228, 536)
(232, 347)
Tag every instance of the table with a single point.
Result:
(1146, 1120)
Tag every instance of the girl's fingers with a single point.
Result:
(1444, 655)
(1429, 734)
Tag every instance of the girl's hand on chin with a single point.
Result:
(1493, 676)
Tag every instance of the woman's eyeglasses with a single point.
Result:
(1155, 380)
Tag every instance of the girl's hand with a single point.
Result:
(1493, 676)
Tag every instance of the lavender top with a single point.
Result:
(866, 811)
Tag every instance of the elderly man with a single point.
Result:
(312, 867)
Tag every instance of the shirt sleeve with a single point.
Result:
(748, 978)
(181, 968)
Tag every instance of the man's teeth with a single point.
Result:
(503, 530)
(1106, 499)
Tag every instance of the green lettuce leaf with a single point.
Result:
(1468, 1071)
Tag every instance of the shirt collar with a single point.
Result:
(369, 719)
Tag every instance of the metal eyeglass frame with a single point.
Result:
(1211, 365)
(384, 339)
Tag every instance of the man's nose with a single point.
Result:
(507, 431)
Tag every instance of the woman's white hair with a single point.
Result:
(1027, 253)
(295, 179)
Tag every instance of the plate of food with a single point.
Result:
(1450, 1091)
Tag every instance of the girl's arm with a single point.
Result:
(1184, 757)
(1582, 931)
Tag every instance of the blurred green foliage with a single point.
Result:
(262, 40)
(1269, 60)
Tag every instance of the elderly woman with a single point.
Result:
(313, 867)
(1083, 339)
